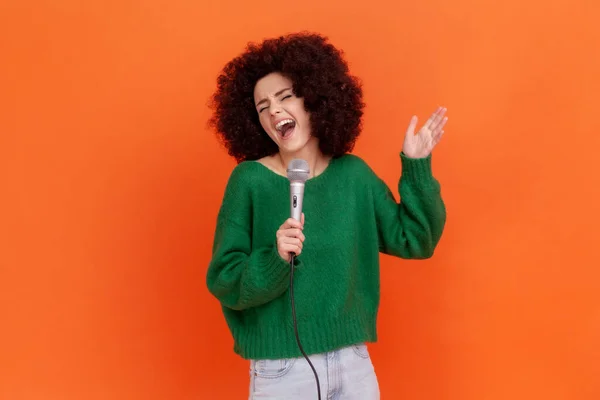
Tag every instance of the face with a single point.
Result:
(281, 113)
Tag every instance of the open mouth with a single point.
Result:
(285, 127)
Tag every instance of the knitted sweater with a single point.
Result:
(350, 216)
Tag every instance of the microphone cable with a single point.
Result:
(293, 258)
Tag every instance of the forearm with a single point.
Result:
(413, 228)
(241, 277)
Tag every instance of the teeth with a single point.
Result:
(282, 123)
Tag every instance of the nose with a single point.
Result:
(274, 108)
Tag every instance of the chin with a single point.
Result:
(293, 147)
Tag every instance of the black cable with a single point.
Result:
(296, 324)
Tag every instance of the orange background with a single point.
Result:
(110, 185)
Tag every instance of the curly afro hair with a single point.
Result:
(332, 97)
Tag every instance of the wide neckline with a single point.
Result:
(309, 180)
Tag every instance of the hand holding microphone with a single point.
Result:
(289, 236)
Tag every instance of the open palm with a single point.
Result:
(420, 144)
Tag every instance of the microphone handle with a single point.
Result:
(296, 197)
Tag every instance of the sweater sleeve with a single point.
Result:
(239, 275)
(412, 228)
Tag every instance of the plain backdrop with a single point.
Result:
(110, 184)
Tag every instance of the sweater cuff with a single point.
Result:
(416, 170)
(276, 270)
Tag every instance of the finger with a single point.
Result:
(412, 125)
(291, 240)
(285, 251)
(291, 248)
(429, 122)
(293, 233)
(294, 249)
(437, 139)
(302, 219)
(287, 232)
(440, 126)
(436, 118)
(291, 223)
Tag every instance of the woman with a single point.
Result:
(293, 97)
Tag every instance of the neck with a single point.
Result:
(311, 153)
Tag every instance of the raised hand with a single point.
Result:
(420, 144)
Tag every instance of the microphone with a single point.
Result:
(297, 173)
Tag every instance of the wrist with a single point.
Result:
(414, 156)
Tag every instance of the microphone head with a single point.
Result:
(298, 170)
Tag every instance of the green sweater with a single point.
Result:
(351, 216)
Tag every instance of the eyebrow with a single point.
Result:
(276, 94)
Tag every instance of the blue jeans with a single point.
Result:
(344, 374)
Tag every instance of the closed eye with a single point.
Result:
(283, 98)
